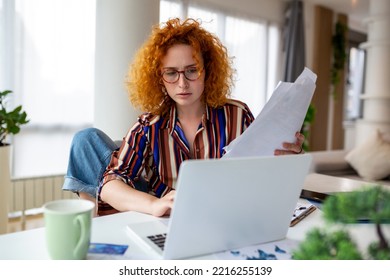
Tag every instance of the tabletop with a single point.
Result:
(111, 229)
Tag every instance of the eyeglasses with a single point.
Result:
(171, 76)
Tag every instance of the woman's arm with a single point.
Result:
(125, 198)
(117, 186)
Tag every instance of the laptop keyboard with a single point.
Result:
(158, 239)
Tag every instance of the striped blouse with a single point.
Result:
(155, 147)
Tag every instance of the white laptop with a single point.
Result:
(224, 204)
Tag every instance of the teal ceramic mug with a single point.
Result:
(68, 228)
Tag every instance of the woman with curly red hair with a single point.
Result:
(181, 77)
(145, 72)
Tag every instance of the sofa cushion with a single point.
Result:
(371, 159)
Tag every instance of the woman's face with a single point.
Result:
(188, 89)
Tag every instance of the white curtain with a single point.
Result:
(247, 41)
(55, 59)
(48, 62)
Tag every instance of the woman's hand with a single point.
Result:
(162, 206)
(292, 148)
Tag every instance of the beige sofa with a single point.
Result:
(333, 163)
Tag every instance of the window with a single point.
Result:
(355, 83)
(356, 70)
(253, 44)
(48, 63)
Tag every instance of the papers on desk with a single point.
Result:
(278, 250)
(279, 120)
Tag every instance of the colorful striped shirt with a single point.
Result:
(155, 146)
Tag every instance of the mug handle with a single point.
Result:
(81, 219)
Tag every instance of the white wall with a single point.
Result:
(121, 28)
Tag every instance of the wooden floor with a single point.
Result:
(31, 222)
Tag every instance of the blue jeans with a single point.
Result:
(90, 153)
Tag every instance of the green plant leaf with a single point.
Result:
(10, 121)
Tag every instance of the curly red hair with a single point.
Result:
(144, 83)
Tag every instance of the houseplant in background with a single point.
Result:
(339, 45)
(10, 122)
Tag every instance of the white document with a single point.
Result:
(277, 250)
(279, 120)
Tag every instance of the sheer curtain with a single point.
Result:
(49, 65)
(253, 43)
(245, 40)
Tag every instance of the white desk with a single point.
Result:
(31, 244)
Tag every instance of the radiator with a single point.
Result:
(29, 194)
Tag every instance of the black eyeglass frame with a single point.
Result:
(200, 71)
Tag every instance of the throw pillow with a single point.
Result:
(371, 159)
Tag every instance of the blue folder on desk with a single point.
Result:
(226, 204)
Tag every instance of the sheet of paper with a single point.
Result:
(278, 250)
(280, 119)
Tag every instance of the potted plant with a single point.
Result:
(339, 45)
(10, 122)
(342, 210)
